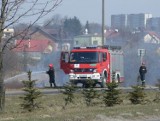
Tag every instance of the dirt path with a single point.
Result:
(120, 118)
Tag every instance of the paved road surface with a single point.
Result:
(57, 90)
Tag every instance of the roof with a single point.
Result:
(33, 45)
(48, 33)
(153, 34)
(88, 35)
(27, 34)
(111, 34)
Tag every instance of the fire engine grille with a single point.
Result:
(83, 69)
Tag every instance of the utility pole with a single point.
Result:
(103, 22)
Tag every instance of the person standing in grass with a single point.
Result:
(51, 74)
(142, 72)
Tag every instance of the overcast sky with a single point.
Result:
(91, 9)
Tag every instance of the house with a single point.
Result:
(33, 49)
(39, 34)
(151, 37)
(113, 37)
(87, 40)
(7, 33)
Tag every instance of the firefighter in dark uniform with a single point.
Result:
(142, 72)
(51, 74)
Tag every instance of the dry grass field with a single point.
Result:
(53, 109)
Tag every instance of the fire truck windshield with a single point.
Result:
(84, 57)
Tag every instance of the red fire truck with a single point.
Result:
(103, 64)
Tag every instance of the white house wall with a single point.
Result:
(151, 39)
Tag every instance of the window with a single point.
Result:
(95, 42)
(84, 57)
(76, 42)
(100, 57)
(104, 56)
(65, 57)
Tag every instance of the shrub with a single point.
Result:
(69, 90)
(111, 95)
(137, 96)
(89, 93)
(31, 95)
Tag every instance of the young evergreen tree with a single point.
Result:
(89, 93)
(72, 26)
(111, 95)
(137, 96)
(30, 102)
(87, 27)
(69, 90)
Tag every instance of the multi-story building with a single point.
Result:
(153, 24)
(131, 21)
(135, 21)
(118, 21)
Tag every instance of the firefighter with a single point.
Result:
(51, 74)
(142, 72)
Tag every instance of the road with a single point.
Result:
(12, 92)
(57, 90)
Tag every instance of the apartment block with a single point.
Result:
(131, 21)
(136, 21)
(118, 21)
(153, 24)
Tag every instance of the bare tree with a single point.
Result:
(12, 13)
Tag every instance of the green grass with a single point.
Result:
(52, 109)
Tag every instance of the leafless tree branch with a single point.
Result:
(12, 16)
(13, 12)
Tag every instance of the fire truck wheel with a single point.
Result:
(118, 78)
(73, 83)
(103, 80)
(86, 85)
(103, 83)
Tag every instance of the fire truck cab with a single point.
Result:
(102, 64)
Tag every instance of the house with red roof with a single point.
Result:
(34, 49)
(39, 34)
(36, 43)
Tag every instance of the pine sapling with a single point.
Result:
(69, 90)
(31, 95)
(89, 93)
(137, 96)
(112, 95)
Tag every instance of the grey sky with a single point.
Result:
(91, 9)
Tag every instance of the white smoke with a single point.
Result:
(39, 73)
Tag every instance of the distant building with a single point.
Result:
(87, 40)
(137, 21)
(131, 21)
(34, 49)
(151, 37)
(153, 24)
(7, 33)
(113, 38)
(118, 21)
(39, 34)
